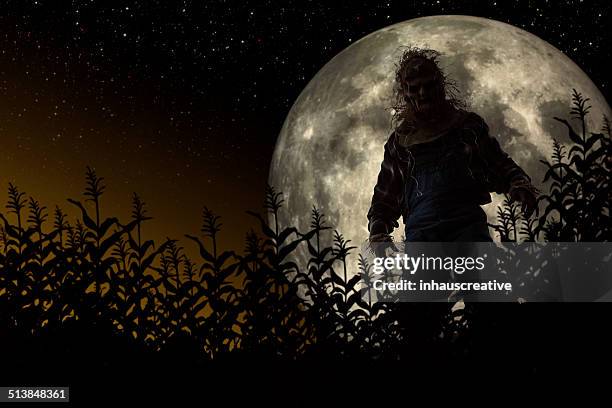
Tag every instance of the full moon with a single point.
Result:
(330, 147)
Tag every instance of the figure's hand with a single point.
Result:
(380, 243)
(526, 198)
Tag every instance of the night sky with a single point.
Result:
(182, 101)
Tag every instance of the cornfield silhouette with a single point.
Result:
(97, 288)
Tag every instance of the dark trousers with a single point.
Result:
(455, 224)
(423, 321)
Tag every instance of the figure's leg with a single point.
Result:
(467, 243)
(477, 231)
(415, 235)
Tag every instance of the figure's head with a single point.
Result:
(421, 88)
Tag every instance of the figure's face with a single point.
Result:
(424, 92)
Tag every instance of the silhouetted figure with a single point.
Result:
(440, 162)
(440, 165)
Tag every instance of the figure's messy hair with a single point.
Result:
(411, 62)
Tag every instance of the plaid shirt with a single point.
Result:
(490, 164)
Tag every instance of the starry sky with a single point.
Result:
(182, 101)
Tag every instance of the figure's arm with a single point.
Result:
(386, 200)
(510, 178)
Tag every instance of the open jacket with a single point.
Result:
(489, 164)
